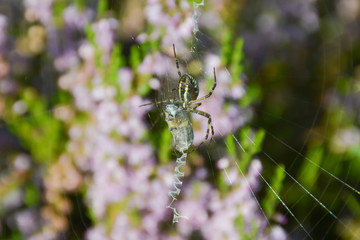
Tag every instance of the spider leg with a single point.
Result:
(208, 116)
(195, 106)
(177, 61)
(159, 102)
(209, 94)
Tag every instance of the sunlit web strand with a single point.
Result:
(247, 182)
(287, 208)
(314, 163)
(307, 191)
(310, 194)
(278, 197)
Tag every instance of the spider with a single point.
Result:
(188, 89)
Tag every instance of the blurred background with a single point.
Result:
(79, 159)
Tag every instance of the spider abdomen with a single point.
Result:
(180, 126)
(188, 88)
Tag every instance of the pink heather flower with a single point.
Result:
(154, 14)
(3, 32)
(201, 173)
(211, 61)
(125, 77)
(19, 107)
(7, 86)
(194, 206)
(184, 5)
(75, 18)
(157, 196)
(75, 132)
(46, 234)
(107, 116)
(67, 80)
(38, 10)
(140, 154)
(87, 52)
(22, 162)
(83, 98)
(280, 218)
(141, 38)
(12, 200)
(254, 172)
(103, 93)
(123, 229)
(226, 120)
(237, 91)
(66, 61)
(215, 216)
(150, 225)
(176, 30)
(133, 103)
(26, 221)
(146, 65)
(184, 30)
(159, 65)
(211, 20)
(100, 147)
(277, 233)
(155, 84)
(105, 35)
(97, 233)
(171, 4)
(222, 163)
(132, 124)
(108, 187)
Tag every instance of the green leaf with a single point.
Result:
(253, 94)
(231, 146)
(102, 7)
(258, 139)
(90, 34)
(226, 48)
(270, 201)
(31, 195)
(135, 58)
(309, 171)
(165, 146)
(236, 66)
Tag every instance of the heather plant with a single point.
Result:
(93, 166)
(83, 160)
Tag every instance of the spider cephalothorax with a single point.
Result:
(188, 88)
(188, 93)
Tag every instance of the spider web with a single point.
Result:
(278, 148)
(323, 218)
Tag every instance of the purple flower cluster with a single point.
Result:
(173, 28)
(122, 166)
(109, 146)
(215, 215)
(225, 120)
(108, 151)
(178, 29)
(75, 21)
(39, 10)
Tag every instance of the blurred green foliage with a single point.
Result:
(40, 133)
